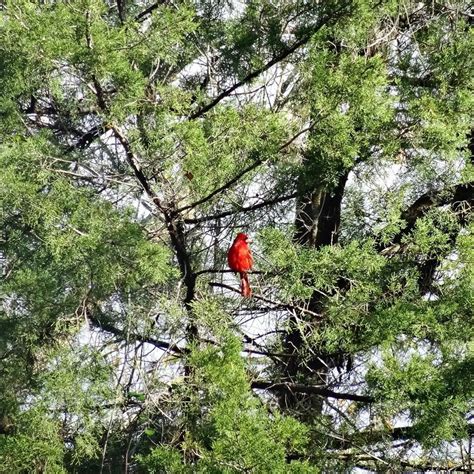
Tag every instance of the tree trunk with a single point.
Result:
(317, 224)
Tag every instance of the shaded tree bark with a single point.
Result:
(317, 224)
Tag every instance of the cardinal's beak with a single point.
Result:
(249, 240)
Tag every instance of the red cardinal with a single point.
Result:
(240, 260)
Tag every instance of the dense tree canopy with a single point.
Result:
(138, 137)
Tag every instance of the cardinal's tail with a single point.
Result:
(244, 285)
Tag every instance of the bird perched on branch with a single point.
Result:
(240, 261)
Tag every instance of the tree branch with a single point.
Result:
(249, 77)
(87, 138)
(214, 270)
(275, 60)
(309, 389)
(106, 326)
(462, 193)
(174, 226)
(278, 304)
(137, 170)
(254, 207)
(148, 11)
(225, 186)
(236, 178)
(461, 198)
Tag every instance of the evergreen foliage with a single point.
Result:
(137, 138)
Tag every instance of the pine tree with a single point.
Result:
(137, 138)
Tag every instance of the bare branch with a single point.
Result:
(106, 326)
(310, 389)
(137, 170)
(87, 138)
(277, 304)
(254, 207)
(225, 186)
(148, 11)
